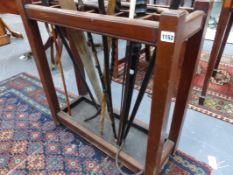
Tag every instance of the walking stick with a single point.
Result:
(141, 93)
(174, 5)
(80, 43)
(108, 93)
(59, 60)
(78, 68)
(137, 7)
(114, 55)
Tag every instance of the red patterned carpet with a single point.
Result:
(222, 84)
(30, 143)
(219, 100)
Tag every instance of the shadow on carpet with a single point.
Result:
(30, 143)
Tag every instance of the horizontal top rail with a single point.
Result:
(137, 30)
(194, 22)
(124, 4)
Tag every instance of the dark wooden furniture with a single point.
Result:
(7, 6)
(187, 30)
(10, 6)
(6, 32)
(222, 33)
(4, 37)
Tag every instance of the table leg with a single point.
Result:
(226, 35)
(224, 20)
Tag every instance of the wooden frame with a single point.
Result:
(152, 8)
(187, 29)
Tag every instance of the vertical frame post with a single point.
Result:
(166, 66)
(188, 69)
(39, 54)
(185, 85)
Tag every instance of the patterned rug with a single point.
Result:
(30, 143)
(219, 100)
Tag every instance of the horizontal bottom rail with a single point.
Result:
(100, 142)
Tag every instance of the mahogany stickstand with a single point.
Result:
(176, 60)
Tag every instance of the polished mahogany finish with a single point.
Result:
(185, 29)
(8, 6)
